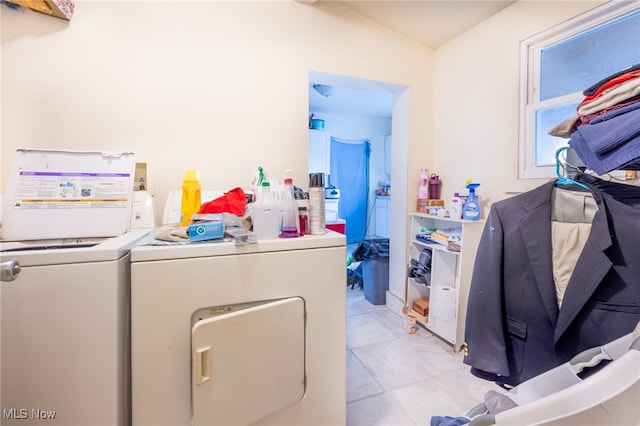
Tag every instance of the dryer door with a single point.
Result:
(248, 363)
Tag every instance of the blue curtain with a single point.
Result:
(349, 165)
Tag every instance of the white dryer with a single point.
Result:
(250, 334)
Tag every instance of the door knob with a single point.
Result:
(9, 270)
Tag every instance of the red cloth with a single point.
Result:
(233, 202)
(610, 85)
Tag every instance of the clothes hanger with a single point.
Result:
(563, 179)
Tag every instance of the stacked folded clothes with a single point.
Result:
(605, 133)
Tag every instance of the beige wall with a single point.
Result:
(217, 86)
(222, 87)
(477, 80)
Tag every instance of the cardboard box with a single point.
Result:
(421, 306)
(210, 227)
(410, 325)
(432, 202)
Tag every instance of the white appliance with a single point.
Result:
(251, 334)
(331, 210)
(65, 312)
(65, 335)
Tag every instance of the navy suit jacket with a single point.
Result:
(514, 328)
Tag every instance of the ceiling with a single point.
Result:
(428, 22)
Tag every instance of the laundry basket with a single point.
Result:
(568, 395)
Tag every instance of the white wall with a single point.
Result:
(217, 86)
(214, 85)
(477, 94)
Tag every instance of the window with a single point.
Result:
(559, 64)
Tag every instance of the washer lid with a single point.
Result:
(73, 250)
(67, 194)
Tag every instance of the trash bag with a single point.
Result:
(373, 270)
(371, 249)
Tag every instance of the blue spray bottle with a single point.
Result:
(471, 209)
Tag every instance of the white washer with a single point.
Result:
(65, 331)
(65, 312)
(251, 334)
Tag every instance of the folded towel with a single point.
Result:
(172, 233)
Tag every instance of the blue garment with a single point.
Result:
(448, 421)
(610, 141)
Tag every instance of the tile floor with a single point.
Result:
(400, 379)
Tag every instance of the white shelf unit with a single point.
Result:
(450, 276)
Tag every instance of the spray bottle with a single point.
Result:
(256, 184)
(265, 213)
(471, 209)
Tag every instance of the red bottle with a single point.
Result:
(304, 220)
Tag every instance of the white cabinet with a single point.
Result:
(446, 289)
(387, 154)
(382, 216)
(319, 146)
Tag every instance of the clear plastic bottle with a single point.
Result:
(290, 221)
(191, 196)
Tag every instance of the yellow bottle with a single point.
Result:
(191, 196)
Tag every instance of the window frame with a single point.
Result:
(530, 59)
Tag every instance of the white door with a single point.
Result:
(248, 363)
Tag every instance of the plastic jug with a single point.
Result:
(265, 214)
(455, 208)
(191, 196)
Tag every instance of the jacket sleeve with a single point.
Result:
(485, 328)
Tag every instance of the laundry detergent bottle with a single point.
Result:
(191, 196)
(471, 208)
(265, 213)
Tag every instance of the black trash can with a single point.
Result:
(374, 257)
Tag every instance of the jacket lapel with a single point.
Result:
(535, 228)
(591, 268)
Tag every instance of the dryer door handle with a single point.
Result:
(9, 270)
(202, 365)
